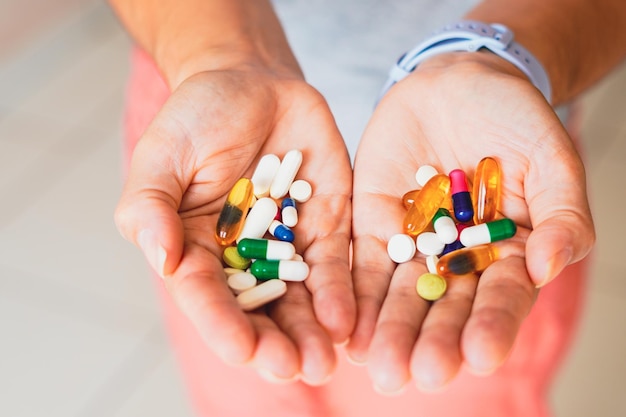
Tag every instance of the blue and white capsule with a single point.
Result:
(289, 213)
(281, 232)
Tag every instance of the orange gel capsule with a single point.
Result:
(234, 212)
(468, 260)
(409, 197)
(426, 204)
(486, 190)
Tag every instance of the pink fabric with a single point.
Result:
(517, 389)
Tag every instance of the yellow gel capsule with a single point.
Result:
(409, 197)
(467, 260)
(426, 204)
(232, 258)
(431, 287)
(486, 190)
(234, 212)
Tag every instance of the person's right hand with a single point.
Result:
(211, 132)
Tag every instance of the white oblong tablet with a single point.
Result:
(286, 173)
(429, 243)
(261, 294)
(431, 263)
(241, 282)
(300, 191)
(264, 174)
(425, 173)
(401, 248)
(259, 219)
(293, 270)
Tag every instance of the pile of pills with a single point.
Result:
(254, 227)
(449, 225)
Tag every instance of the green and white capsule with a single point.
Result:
(484, 233)
(265, 249)
(286, 270)
(444, 226)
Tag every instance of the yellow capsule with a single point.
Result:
(232, 258)
(431, 287)
(409, 197)
(467, 260)
(426, 204)
(234, 212)
(486, 190)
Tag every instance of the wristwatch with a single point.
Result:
(470, 36)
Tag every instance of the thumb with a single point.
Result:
(563, 231)
(147, 213)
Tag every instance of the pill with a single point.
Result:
(259, 218)
(487, 190)
(286, 173)
(487, 232)
(467, 260)
(241, 281)
(265, 249)
(461, 198)
(426, 204)
(297, 257)
(431, 287)
(232, 258)
(431, 263)
(444, 226)
(428, 243)
(231, 271)
(286, 270)
(401, 248)
(288, 212)
(233, 214)
(261, 294)
(300, 191)
(424, 174)
(281, 232)
(451, 247)
(409, 197)
(264, 174)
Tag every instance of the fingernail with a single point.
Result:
(558, 262)
(271, 377)
(153, 251)
(389, 393)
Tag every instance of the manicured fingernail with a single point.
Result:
(153, 251)
(558, 262)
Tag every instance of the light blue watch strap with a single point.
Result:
(470, 36)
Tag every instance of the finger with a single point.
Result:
(147, 213)
(396, 331)
(294, 315)
(504, 297)
(437, 358)
(563, 230)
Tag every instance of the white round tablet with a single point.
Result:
(300, 191)
(424, 173)
(401, 248)
(241, 281)
(429, 243)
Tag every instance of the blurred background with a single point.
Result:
(80, 328)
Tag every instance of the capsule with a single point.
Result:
(426, 204)
(281, 232)
(487, 190)
(461, 198)
(286, 173)
(261, 294)
(451, 247)
(264, 174)
(233, 214)
(287, 270)
(265, 249)
(288, 212)
(487, 232)
(467, 260)
(259, 218)
(444, 226)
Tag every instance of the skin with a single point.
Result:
(238, 93)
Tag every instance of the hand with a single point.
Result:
(450, 113)
(211, 132)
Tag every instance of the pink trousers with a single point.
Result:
(519, 388)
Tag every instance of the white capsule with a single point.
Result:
(261, 294)
(259, 219)
(475, 235)
(425, 173)
(431, 263)
(401, 248)
(428, 243)
(241, 282)
(264, 174)
(300, 191)
(446, 229)
(286, 173)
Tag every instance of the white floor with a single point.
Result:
(81, 332)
